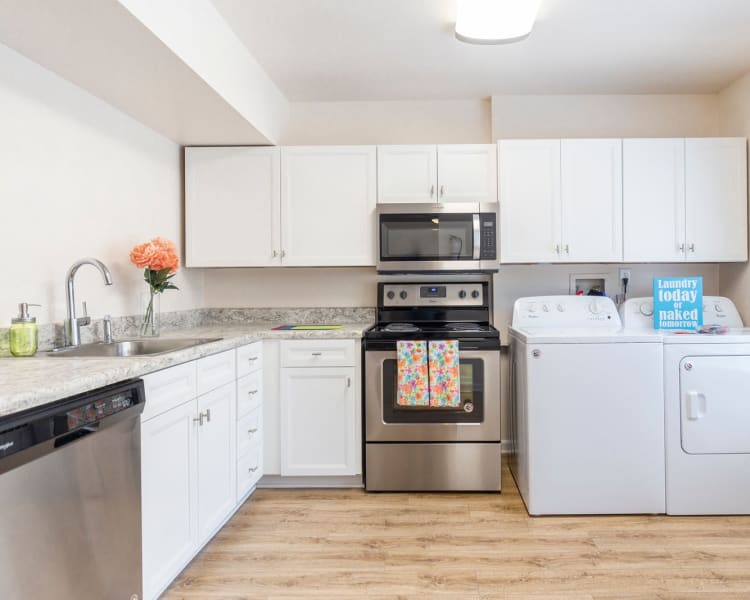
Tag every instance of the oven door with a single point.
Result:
(439, 237)
(478, 418)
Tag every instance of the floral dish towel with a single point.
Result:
(444, 374)
(413, 378)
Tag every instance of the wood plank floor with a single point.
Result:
(291, 544)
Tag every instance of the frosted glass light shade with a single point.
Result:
(495, 21)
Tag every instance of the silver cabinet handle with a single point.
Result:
(682, 247)
(252, 469)
(275, 253)
(252, 358)
(567, 249)
(208, 415)
(317, 353)
(199, 419)
(557, 248)
(283, 253)
(252, 431)
(691, 247)
(432, 191)
(442, 191)
(252, 392)
(348, 382)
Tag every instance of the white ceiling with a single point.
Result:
(329, 50)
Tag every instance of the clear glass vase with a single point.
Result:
(150, 324)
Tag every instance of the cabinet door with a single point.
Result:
(716, 199)
(653, 173)
(591, 177)
(407, 174)
(328, 206)
(529, 200)
(217, 458)
(319, 432)
(169, 495)
(232, 207)
(467, 173)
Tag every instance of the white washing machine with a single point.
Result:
(707, 410)
(587, 407)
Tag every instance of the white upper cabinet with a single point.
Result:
(529, 200)
(467, 173)
(232, 207)
(447, 173)
(716, 199)
(653, 173)
(407, 174)
(685, 200)
(591, 195)
(560, 200)
(328, 205)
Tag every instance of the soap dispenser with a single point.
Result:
(24, 335)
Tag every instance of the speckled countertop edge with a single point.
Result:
(27, 383)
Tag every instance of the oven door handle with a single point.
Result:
(477, 237)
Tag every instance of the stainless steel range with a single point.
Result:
(427, 447)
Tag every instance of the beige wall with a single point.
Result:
(397, 122)
(734, 120)
(79, 178)
(532, 116)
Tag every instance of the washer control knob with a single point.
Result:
(646, 309)
(531, 308)
(594, 307)
(719, 308)
(403, 294)
(391, 295)
(475, 294)
(561, 308)
(462, 294)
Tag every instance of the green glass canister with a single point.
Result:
(24, 334)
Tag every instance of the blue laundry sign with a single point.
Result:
(678, 302)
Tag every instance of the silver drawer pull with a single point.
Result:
(252, 358)
(252, 431)
(252, 469)
(317, 353)
(251, 392)
(208, 415)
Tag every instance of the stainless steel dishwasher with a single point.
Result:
(70, 498)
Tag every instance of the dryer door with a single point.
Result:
(715, 404)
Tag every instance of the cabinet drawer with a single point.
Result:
(249, 359)
(249, 393)
(249, 468)
(249, 430)
(168, 388)
(318, 353)
(214, 371)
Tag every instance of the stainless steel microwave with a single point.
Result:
(415, 238)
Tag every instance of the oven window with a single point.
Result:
(472, 397)
(426, 237)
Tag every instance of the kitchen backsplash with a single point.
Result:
(51, 334)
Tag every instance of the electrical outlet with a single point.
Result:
(625, 274)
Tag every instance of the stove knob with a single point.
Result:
(391, 295)
(462, 294)
(475, 294)
(403, 294)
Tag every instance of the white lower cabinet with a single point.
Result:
(216, 459)
(320, 431)
(169, 490)
(190, 468)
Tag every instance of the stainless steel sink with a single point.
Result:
(147, 347)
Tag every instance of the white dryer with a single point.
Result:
(587, 409)
(707, 410)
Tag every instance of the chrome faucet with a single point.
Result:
(73, 323)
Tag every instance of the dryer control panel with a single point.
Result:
(638, 313)
(566, 312)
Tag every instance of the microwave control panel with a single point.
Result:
(488, 236)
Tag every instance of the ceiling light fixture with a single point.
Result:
(495, 21)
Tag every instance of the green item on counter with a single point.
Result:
(24, 335)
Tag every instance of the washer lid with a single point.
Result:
(582, 335)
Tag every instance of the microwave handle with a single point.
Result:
(477, 237)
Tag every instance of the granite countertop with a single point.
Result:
(30, 382)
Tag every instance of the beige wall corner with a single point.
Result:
(734, 120)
